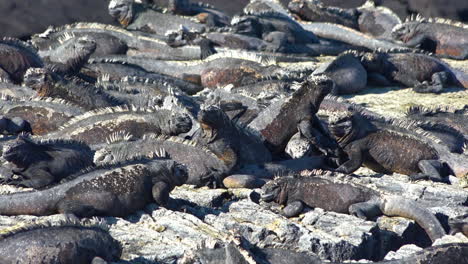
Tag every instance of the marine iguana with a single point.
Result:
(66, 242)
(448, 116)
(350, 36)
(39, 163)
(388, 147)
(16, 57)
(94, 127)
(135, 16)
(239, 108)
(278, 122)
(14, 125)
(142, 92)
(358, 200)
(114, 40)
(115, 190)
(69, 57)
(375, 21)
(43, 114)
(204, 167)
(442, 37)
(262, 24)
(459, 224)
(206, 14)
(74, 90)
(233, 144)
(243, 64)
(426, 74)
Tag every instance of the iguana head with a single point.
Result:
(178, 124)
(211, 119)
(39, 79)
(276, 190)
(122, 10)
(247, 25)
(405, 31)
(24, 152)
(76, 52)
(374, 62)
(341, 126)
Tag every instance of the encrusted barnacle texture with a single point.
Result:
(96, 126)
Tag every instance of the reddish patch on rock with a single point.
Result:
(193, 78)
(213, 78)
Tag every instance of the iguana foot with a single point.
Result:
(293, 209)
(161, 192)
(365, 210)
(439, 81)
(434, 170)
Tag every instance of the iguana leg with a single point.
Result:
(32, 178)
(365, 210)
(355, 159)
(318, 139)
(439, 81)
(293, 209)
(90, 203)
(434, 170)
(161, 192)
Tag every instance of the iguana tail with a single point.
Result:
(27, 203)
(398, 206)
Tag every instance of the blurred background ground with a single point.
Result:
(25, 17)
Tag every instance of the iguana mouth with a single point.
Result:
(125, 21)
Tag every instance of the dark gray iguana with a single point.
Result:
(204, 167)
(441, 37)
(38, 163)
(388, 147)
(344, 197)
(95, 127)
(66, 242)
(43, 114)
(114, 190)
(70, 56)
(14, 125)
(135, 16)
(425, 73)
(278, 122)
(375, 21)
(233, 144)
(74, 90)
(205, 13)
(16, 57)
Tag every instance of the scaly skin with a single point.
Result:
(442, 39)
(74, 90)
(354, 199)
(118, 190)
(95, 127)
(278, 123)
(39, 164)
(204, 168)
(72, 243)
(44, 114)
(426, 74)
(16, 57)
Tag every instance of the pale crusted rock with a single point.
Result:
(404, 251)
(298, 146)
(161, 235)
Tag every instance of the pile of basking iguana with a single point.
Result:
(103, 120)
